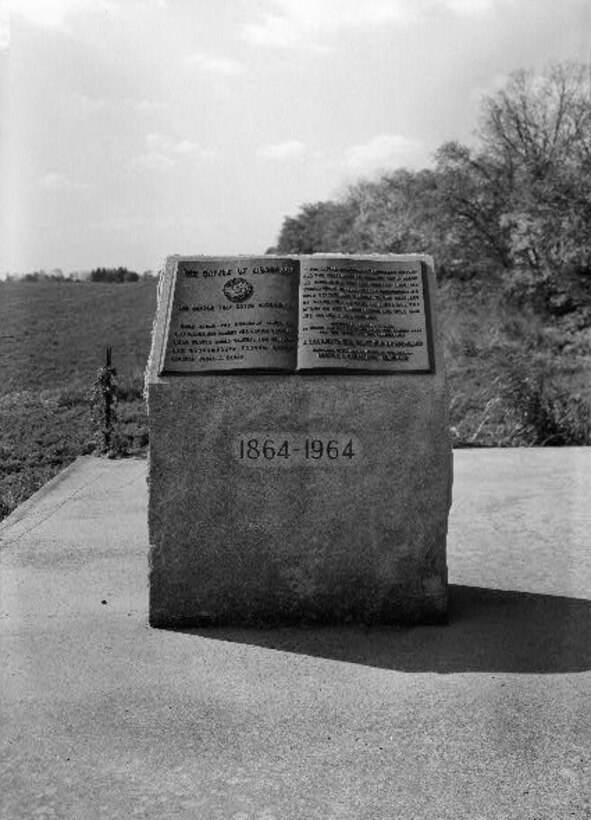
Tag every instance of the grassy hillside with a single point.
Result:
(54, 334)
(53, 338)
(514, 379)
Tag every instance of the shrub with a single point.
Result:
(103, 405)
(542, 413)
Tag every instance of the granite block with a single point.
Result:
(298, 497)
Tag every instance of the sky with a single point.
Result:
(131, 130)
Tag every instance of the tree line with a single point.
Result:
(113, 275)
(120, 274)
(516, 205)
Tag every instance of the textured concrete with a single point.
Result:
(487, 718)
(361, 539)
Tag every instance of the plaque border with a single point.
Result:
(428, 319)
(167, 311)
(175, 262)
(386, 371)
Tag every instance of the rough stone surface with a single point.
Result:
(363, 540)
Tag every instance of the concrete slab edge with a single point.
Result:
(33, 508)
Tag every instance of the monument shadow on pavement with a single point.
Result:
(488, 631)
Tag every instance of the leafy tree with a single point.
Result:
(473, 194)
(322, 226)
(536, 139)
(400, 213)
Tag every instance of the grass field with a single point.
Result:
(53, 338)
(55, 334)
(507, 371)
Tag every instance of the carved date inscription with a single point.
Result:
(280, 449)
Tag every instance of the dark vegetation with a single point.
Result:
(113, 275)
(96, 275)
(508, 223)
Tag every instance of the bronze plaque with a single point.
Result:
(232, 313)
(311, 313)
(363, 314)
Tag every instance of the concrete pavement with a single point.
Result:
(489, 717)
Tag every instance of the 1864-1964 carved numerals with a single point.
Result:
(290, 449)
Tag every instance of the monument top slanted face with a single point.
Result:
(313, 313)
(300, 460)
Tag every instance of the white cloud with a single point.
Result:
(152, 161)
(385, 150)
(155, 141)
(187, 148)
(146, 106)
(56, 14)
(468, 8)
(293, 22)
(273, 30)
(163, 152)
(4, 24)
(54, 181)
(46, 13)
(282, 150)
(90, 104)
(225, 66)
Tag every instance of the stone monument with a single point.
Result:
(300, 458)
